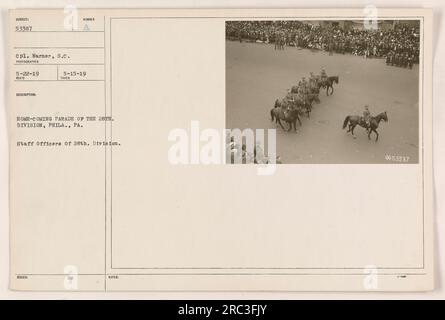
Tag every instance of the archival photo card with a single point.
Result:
(221, 149)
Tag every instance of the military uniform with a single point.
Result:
(312, 80)
(303, 89)
(388, 59)
(410, 61)
(323, 76)
(367, 116)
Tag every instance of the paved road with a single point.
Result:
(256, 75)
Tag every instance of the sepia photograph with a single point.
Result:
(336, 91)
(123, 123)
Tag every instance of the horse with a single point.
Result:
(311, 97)
(306, 104)
(291, 115)
(315, 90)
(328, 83)
(302, 103)
(373, 124)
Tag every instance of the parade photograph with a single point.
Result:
(336, 91)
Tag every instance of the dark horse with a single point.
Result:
(311, 97)
(291, 115)
(304, 104)
(328, 83)
(373, 124)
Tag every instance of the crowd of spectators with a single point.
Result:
(400, 39)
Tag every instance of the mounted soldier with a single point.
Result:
(323, 76)
(367, 116)
(312, 80)
(289, 98)
(304, 82)
(303, 89)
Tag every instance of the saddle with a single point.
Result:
(364, 123)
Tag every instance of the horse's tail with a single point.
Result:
(345, 123)
(271, 114)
